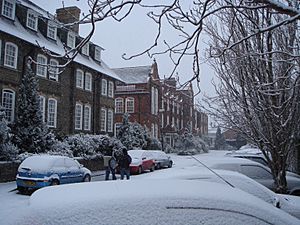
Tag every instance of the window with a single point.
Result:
(32, 20)
(162, 120)
(11, 55)
(8, 104)
(52, 112)
(110, 120)
(104, 87)
(98, 54)
(42, 106)
(79, 78)
(53, 70)
(256, 172)
(110, 89)
(168, 120)
(88, 82)
(41, 66)
(71, 40)
(78, 116)
(87, 117)
(117, 128)
(129, 105)
(103, 120)
(119, 105)
(52, 30)
(85, 49)
(8, 9)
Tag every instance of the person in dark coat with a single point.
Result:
(123, 164)
(110, 164)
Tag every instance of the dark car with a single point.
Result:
(161, 159)
(46, 170)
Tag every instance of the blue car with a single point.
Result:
(46, 170)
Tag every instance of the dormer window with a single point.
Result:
(52, 30)
(85, 49)
(32, 20)
(71, 39)
(8, 9)
(98, 54)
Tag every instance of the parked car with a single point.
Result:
(45, 170)
(173, 201)
(161, 159)
(287, 203)
(262, 174)
(141, 160)
(256, 157)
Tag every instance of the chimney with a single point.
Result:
(68, 15)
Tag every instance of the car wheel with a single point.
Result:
(170, 164)
(152, 168)
(21, 190)
(296, 193)
(140, 170)
(87, 178)
(158, 166)
(54, 182)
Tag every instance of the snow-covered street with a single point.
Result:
(13, 203)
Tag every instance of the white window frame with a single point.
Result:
(103, 119)
(162, 120)
(78, 116)
(32, 20)
(87, 117)
(9, 106)
(110, 89)
(71, 39)
(85, 50)
(104, 87)
(119, 105)
(10, 60)
(117, 125)
(52, 113)
(97, 55)
(88, 82)
(42, 100)
(129, 106)
(52, 30)
(12, 10)
(110, 120)
(79, 78)
(41, 66)
(53, 69)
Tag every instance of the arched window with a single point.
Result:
(119, 105)
(78, 116)
(41, 66)
(11, 55)
(103, 119)
(87, 117)
(88, 82)
(79, 78)
(110, 120)
(8, 103)
(129, 105)
(52, 112)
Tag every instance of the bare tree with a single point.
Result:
(186, 18)
(259, 88)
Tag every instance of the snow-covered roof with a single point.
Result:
(37, 38)
(36, 8)
(134, 75)
(39, 163)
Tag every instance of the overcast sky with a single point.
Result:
(132, 36)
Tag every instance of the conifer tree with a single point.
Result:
(30, 132)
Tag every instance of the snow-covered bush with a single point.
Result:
(153, 144)
(132, 135)
(187, 144)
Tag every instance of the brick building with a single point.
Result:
(78, 98)
(159, 104)
(138, 96)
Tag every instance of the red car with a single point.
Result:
(141, 160)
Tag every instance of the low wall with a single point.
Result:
(8, 170)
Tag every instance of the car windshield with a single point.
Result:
(136, 153)
(37, 163)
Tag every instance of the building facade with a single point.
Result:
(76, 98)
(165, 109)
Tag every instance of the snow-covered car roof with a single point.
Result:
(133, 202)
(39, 162)
(136, 153)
